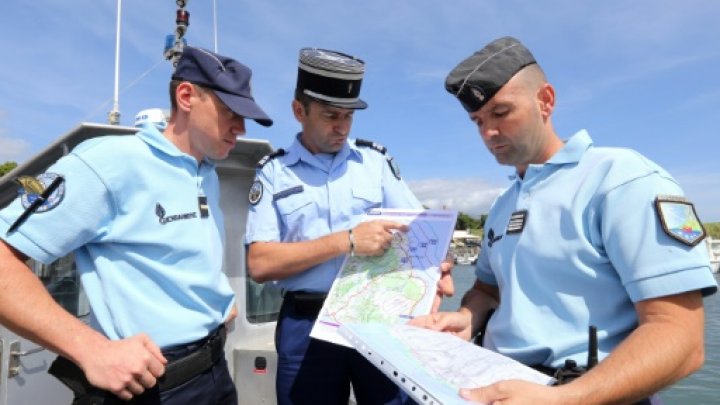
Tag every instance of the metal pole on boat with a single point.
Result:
(215, 49)
(114, 115)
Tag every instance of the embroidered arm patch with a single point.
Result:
(679, 219)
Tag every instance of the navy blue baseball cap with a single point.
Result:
(226, 77)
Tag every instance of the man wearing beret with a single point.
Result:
(305, 211)
(584, 238)
(142, 216)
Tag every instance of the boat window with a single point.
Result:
(63, 282)
(262, 302)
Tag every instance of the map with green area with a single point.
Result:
(396, 286)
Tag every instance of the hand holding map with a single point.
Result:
(395, 286)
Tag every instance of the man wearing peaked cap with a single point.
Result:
(305, 211)
(585, 237)
(131, 209)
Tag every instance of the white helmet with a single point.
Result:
(155, 116)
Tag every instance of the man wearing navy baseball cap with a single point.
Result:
(142, 216)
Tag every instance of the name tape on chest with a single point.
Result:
(517, 222)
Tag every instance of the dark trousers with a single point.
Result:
(312, 371)
(212, 387)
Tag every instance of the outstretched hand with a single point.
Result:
(514, 392)
(373, 238)
(457, 323)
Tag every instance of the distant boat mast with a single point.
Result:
(173, 50)
(114, 114)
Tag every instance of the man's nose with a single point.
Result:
(238, 126)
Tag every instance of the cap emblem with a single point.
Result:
(477, 93)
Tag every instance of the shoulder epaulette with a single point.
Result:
(270, 156)
(371, 144)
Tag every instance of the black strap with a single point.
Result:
(306, 304)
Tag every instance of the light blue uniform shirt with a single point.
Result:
(304, 199)
(148, 261)
(592, 245)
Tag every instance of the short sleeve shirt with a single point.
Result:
(305, 197)
(590, 245)
(130, 212)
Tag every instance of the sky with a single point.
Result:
(637, 74)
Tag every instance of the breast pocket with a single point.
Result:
(296, 211)
(366, 198)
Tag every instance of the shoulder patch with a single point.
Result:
(371, 144)
(42, 193)
(270, 156)
(256, 192)
(679, 219)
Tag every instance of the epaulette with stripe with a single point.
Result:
(270, 156)
(383, 150)
(371, 144)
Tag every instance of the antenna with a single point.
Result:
(174, 43)
(114, 114)
(215, 49)
(592, 347)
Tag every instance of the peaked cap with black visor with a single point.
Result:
(226, 77)
(331, 78)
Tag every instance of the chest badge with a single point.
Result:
(491, 238)
(679, 219)
(517, 222)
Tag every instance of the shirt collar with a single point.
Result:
(573, 150)
(298, 151)
(152, 136)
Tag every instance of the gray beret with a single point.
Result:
(476, 79)
(331, 77)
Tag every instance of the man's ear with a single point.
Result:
(298, 110)
(183, 95)
(546, 99)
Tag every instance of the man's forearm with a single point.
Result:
(27, 309)
(479, 300)
(666, 347)
(280, 260)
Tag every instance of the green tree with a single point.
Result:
(713, 229)
(465, 221)
(6, 167)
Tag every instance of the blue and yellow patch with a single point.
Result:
(34, 188)
(679, 219)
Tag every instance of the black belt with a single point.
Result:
(305, 303)
(181, 370)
